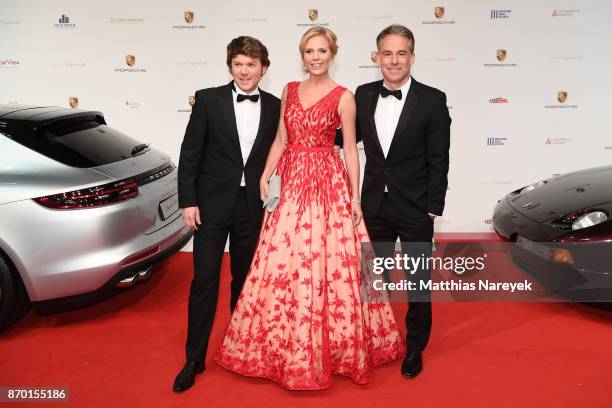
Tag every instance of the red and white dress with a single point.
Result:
(301, 317)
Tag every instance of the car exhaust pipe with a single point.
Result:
(136, 277)
(127, 282)
(144, 275)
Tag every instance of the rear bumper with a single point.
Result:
(111, 288)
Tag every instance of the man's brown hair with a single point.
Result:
(248, 46)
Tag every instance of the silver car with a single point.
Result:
(84, 210)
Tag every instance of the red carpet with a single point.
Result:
(126, 351)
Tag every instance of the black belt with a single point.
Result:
(243, 189)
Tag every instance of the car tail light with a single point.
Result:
(91, 197)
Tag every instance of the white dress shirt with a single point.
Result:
(247, 122)
(388, 111)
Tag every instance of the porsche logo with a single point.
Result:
(374, 56)
(313, 14)
(130, 60)
(189, 17)
(439, 12)
(562, 96)
(73, 101)
(191, 100)
(501, 55)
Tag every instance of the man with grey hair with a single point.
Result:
(405, 128)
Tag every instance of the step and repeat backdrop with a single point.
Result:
(527, 82)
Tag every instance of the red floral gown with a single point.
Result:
(300, 317)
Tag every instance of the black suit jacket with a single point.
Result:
(210, 164)
(416, 167)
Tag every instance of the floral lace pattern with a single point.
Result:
(301, 317)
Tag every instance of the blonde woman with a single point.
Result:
(300, 317)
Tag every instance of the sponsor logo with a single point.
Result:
(251, 19)
(566, 57)
(438, 13)
(496, 141)
(565, 13)
(11, 22)
(440, 59)
(497, 182)
(561, 98)
(488, 221)
(73, 101)
(374, 17)
(607, 147)
(496, 14)
(499, 99)
(191, 102)
(126, 20)
(132, 105)
(64, 23)
(313, 15)
(501, 55)
(192, 63)
(189, 17)
(373, 58)
(130, 61)
(71, 64)
(558, 140)
(9, 63)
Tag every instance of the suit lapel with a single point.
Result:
(264, 108)
(407, 110)
(372, 100)
(226, 102)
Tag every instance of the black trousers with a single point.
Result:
(385, 227)
(208, 247)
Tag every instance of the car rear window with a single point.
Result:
(82, 142)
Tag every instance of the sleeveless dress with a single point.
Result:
(301, 317)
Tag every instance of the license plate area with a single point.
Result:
(168, 207)
(534, 248)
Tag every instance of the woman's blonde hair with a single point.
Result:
(325, 32)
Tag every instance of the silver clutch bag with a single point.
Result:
(274, 192)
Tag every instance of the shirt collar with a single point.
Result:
(405, 88)
(237, 90)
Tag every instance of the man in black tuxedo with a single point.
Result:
(223, 154)
(405, 128)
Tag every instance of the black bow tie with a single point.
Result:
(243, 97)
(384, 92)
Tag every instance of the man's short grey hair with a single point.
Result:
(396, 29)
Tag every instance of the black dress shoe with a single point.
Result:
(412, 364)
(186, 377)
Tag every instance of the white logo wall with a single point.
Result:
(503, 126)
